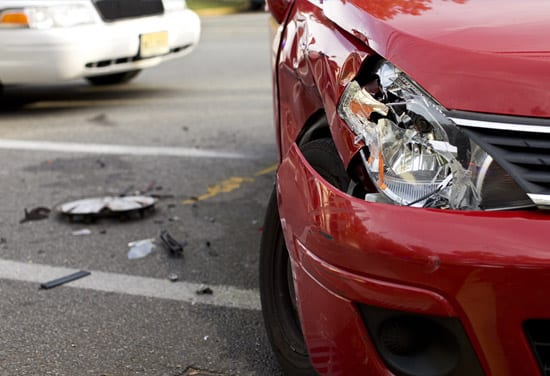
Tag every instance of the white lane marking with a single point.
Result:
(223, 296)
(71, 147)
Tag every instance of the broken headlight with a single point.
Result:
(415, 155)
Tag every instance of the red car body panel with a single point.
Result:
(488, 269)
(456, 48)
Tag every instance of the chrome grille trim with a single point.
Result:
(514, 127)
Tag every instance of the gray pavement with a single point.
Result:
(126, 318)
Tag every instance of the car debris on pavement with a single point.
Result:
(36, 214)
(140, 248)
(108, 206)
(60, 281)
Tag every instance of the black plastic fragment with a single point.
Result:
(36, 214)
(63, 280)
(172, 244)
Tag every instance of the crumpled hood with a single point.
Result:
(490, 56)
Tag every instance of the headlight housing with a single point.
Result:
(415, 154)
(47, 17)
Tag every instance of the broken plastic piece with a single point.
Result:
(107, 206)
(82, 232)
(173, 277)
(36, 214)
(140, 248)
(172, 244)
(63, 280)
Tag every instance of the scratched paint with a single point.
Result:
(229, 185)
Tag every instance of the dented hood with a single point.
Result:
(490, 56)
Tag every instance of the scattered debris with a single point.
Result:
(173, 277)
(83, 232)
(63, 280)
(102, 231)
(140, 248)
(204, 291)
(36, 214)
(100, 163)
(208, 244)
(205, 338)
(175, 247)
(91, 208)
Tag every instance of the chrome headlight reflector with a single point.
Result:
(415, 154)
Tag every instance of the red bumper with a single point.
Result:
(489, 270)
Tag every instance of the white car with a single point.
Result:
(104, 41)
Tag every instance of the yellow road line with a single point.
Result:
(267, 170)
(229, 185)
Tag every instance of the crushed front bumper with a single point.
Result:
(490, 270)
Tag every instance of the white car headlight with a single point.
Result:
(415, 155)
(47, 17)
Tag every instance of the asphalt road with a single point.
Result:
(197, 133)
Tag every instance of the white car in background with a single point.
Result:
(103, 41)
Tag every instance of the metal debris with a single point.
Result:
(175, 247)
(63, 280)
(107, 206)
(173, 277)
(140, 248)
(36, 214)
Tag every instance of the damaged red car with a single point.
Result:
(407, 232)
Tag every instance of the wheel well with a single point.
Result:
(316, 127)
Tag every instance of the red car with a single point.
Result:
(408, 233)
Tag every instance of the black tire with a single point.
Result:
(114, 78)
(276, 285)
(256, 5)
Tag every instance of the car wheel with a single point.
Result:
(276, 283)
(257, 5)
(114, 78)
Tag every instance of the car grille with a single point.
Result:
(521, 146)
(538, 334)
(113, 10)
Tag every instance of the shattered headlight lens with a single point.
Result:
(47, 17)
(416, 156)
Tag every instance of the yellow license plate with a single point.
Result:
(153, 44)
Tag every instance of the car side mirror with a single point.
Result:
(278, 8)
